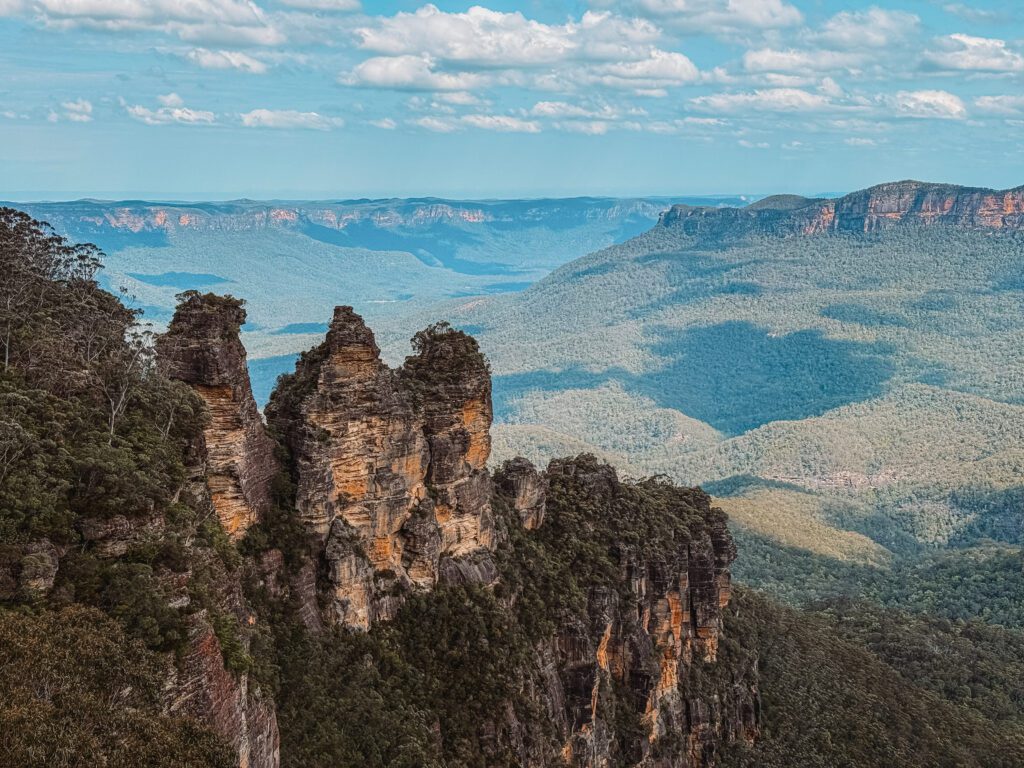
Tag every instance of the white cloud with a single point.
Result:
(871, 28)
(754, 145)
(657, 70)
(171, 100)
(436, 124)
(486, 38)
(971, 14)
(764, 100)
(589, 127)
(462, 98)
(1001, 105)
(721, 15)
(172, 111)
(289, 119)
(79, 111)
(800, 61)
(563, 109)
(928, 104)
(226, 60)
(323, 5)
(409, 72)
(385, 122)
(860, 141)
(236, 20)
(502, 123)
(980, 54)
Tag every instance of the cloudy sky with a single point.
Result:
(211, 99)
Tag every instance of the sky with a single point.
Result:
(221, 99)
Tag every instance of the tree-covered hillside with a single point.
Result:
(866, 385)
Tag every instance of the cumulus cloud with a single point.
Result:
(435, 124)
(171, 111)
(871, 28)
(385, 122)
(500, 123)
(226, 60)
(800, 61)
(720, 15)
(658, 70)
(485, 38)
(979, 54)
(79, 111)
(928, 104)
(323, 5)
(503, 123)
(561, 109)
(763, 100)
(225, 20)
(289, 119)
(1001, 105)
(409, 72)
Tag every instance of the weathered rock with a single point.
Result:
(233, 707)
(867, 210)
(202, 348)
(112, 537)
(527, 488)
(390, 466)
(650, 637)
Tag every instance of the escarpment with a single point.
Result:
(389, 466)
(867, 210)
(202, 348)
(640, 644)
(612, 593)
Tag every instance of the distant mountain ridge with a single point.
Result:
(866, 210)
(92, 217)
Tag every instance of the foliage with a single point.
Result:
(828, 700)
(74, 690)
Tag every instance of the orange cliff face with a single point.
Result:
(202, 348)
(868, 210)
(652, 635)
(390, 465)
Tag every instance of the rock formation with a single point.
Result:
(389, 466)
(392, 488)
(202, 348)
(868, 210)
(650, 638)
(520, 481)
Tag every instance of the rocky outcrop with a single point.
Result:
(868, 210)
(201, 687)
(520, 481)
(649, 642)
(389, 466)
(202, 348)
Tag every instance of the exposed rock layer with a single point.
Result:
(202, 348)
(868, 210)
(651, 637)
(389, 466)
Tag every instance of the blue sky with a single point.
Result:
(214, 99)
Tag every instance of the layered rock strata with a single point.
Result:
(389, 466)
(202, 348)
(651, 638)
(868, 210)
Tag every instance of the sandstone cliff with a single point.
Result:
(392, 490)
(389, 466)
(202, 348)
(646, 642)
(867, 210)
